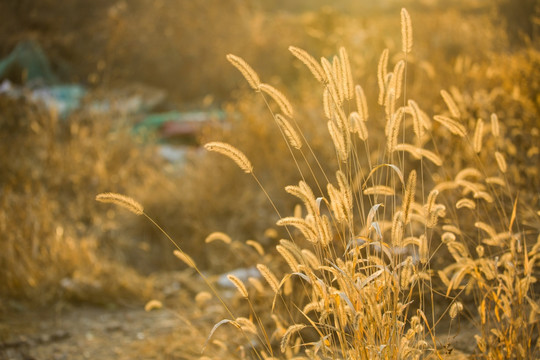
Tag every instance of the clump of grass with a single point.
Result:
(359, 288)
(362, 281)
(362, 286)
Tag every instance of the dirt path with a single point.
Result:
(88, 333)
(101, 333)
(177, 331)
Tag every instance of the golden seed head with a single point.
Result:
(231, 152)
(153, 305)
(455, 309)
(121, 200)
(239, 285)
(406, 31)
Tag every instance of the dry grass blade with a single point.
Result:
(249, 74)
(378, 167)
(216, 326)
(513, 217)
(372, 212)
(231, 152)
(121, 200)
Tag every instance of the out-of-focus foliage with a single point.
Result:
(181, 45)
(51, 170)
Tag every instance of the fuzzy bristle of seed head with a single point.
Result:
(231, 152)
(218, 235)
(312, 64)
(238, 284)
(282, 101)
(247, 71)
(269, 277)
(185, 258)
(406, 31)
(121, 200)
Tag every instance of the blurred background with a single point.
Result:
(117, 96)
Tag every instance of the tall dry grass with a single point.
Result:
(363, 278)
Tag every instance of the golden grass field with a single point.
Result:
(372, 191)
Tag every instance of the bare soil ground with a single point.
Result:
(177, 331)
(84, 333)
(69, 331)
(132, 333)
